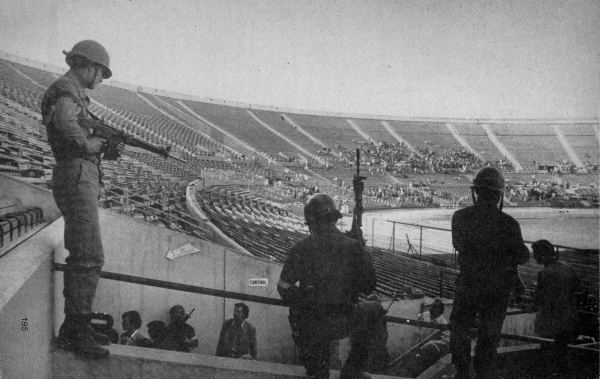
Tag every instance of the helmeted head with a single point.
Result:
(177, 313)
(489, 178)
(321, 209)
(489, 185)
(544, 252)
(92, 51)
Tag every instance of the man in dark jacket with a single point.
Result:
(76, 187)
(490, 246)
(331, 270)
(238, 337)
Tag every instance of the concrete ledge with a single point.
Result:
(137, 362)
(26, 305)
(18, 265)
(28, 195)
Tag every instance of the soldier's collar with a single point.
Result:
(78, 81)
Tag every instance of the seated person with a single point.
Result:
(179, 336)
(238, 337)
(157, 331)
(132, 335)
(437, 347)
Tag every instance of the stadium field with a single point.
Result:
(577, 228)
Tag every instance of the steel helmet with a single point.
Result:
(93, 51)
(490, 178)
(321, 207)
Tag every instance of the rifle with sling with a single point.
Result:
(114, 137)
(358, 185)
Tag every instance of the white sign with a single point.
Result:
(258, 282)
(181, 251)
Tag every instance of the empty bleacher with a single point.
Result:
(268, 231)
(16, 221)
(530, 143)
(476, 137)
(329, 130)
(419, 133)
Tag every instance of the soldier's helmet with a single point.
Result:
(321, 208)
(490, 178)
(92, 51)
(544, 251)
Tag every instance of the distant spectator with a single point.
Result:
(238, 337)
(179, 336)
(132, 335)
(157, 331)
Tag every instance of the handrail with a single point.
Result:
(181, 287)
(450, 230)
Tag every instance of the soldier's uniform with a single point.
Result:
(331, 269)
(76, 187)
(490, 246)
(76, 181)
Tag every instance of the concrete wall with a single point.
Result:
(140, 363)
(26, 306)
(137, 248)
(28, 195)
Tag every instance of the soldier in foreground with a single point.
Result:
(76, 188)
(557, 298)
(490, 246)
(331, 270)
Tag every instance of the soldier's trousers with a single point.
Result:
(485, 309)
(76, 186)
(316, 332)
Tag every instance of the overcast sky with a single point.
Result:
(438, 58)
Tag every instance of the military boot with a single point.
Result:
(85, 345)
(67, 334)
(101, 338)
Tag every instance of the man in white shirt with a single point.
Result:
(437, 347)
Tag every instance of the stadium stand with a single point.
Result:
(224, 142)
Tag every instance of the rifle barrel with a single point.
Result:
(357, 162)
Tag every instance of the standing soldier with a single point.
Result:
(76, 188)
(557, 297)
(490, 246)
(331, 270)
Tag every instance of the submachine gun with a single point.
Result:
(358, 186)
(114, 137)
